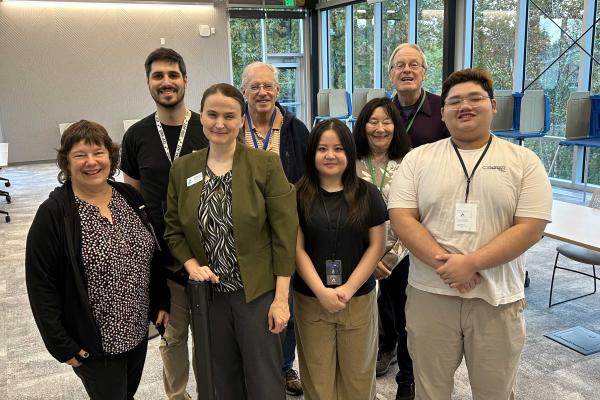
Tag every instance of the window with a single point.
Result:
(596, 67)
(594, 167)
(495, 22)
(394, 31)
(284, 35)
(246, 45)
(363, 45)
(430, 37)
(546, 41)
(337, 48)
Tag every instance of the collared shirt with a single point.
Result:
(428, 126)
(274, 139)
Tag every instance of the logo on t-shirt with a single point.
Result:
(501, 168)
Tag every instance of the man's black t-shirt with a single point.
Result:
(352, 240)
(143, 158)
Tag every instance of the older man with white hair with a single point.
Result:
(271, 127)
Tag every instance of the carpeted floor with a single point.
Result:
(548, 370)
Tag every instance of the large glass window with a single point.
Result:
(495, 23)
(394, 31)
(246, 45)
(284, 35)
(430, 37)
(546, 41)
(337, 48)
(362, 36)
(596, 67)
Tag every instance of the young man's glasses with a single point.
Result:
(474, 101)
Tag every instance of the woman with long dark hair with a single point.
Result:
(340, 240)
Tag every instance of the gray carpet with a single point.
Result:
(548, 370)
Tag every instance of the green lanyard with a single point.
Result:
(416, 112)
(372, 171)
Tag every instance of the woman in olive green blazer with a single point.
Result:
(231, 219)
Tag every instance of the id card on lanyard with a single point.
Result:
(333, 266)
(163, 138)
(465, 213)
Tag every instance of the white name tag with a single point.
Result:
(465, 217)
(192, 180)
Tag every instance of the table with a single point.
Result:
(578, 225)
(575, 224)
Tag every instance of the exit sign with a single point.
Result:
(289, 3)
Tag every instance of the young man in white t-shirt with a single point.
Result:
(468, 208)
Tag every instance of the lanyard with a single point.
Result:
(332, 244)
(163, 138)
(372, 172)
(268, 136)
(462, 163)
(416, 112)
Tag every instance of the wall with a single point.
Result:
(64, 62)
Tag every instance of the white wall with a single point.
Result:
(64, 62)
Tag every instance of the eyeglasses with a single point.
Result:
(413, 66)
(375, 122)
(474, 101)
(268, 87)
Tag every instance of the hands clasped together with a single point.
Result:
(334, 299)
(458, 271)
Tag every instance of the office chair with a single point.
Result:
(4, 162)
(579, 254)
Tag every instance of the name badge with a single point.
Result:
(333, 272)
(465, 217)
(192, 180)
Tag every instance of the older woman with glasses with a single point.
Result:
(381, 143)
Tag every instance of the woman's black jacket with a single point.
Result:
(55, 279)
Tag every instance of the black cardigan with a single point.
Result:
(55, 280)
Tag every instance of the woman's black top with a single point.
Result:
(352, 240)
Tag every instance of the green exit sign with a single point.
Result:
(289, 3)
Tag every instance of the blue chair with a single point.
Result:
(531, 117)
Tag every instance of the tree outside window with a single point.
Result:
(430, 37)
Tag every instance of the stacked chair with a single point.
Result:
(4, 162)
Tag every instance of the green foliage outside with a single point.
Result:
(246, 45)
(394, 31)
(364, 53)
(494, 29)
(430, 37)
(337, 48)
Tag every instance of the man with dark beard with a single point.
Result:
(149, 147)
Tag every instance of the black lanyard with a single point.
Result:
(462, 163)
(332, 244)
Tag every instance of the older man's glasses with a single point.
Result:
(413, 66)
(268, 87)
(473, 101)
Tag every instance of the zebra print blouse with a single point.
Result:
(216, 228)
